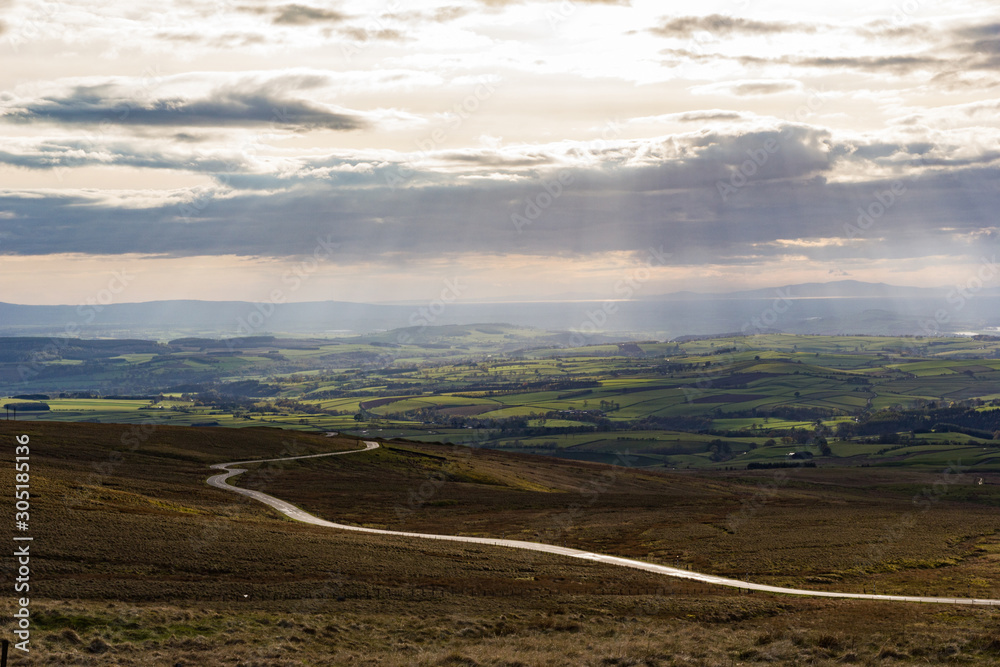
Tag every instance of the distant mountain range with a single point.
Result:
(839, 307)
(838, 289)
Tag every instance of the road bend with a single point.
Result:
(221, 481)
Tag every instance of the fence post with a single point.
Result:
(3, 654)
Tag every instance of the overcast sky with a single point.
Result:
(369, 151)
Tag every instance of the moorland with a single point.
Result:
(137, 561)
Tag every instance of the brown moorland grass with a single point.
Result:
(851, 529)
(137, 562)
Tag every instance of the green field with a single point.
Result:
(505, 387)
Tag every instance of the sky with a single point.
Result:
(484, 150)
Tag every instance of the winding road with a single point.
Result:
(220, 481)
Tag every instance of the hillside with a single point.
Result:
(137, 558)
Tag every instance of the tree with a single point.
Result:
(721, 450)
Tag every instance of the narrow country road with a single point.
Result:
(220, 481)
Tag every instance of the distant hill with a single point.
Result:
(838, 307)
(837, 289)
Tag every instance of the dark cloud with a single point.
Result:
(896, 64)
(231, 107)
(871, 63)
(984, 46)
(414, 223)
(633, 195)
(189, 138)
(969, 48)
(978, 32)
(641, 193)
(698, 161)
(305, 15)
(720, 24)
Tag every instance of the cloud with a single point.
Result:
(624, 207)
(694, 159)
(748, 88)
(233, 106)
(722, 25)
(697, 116)
(980, 31)
(870, 63)
(366, 34)
(616, 198)
(989, 46)
(589, 216)
(706, 115)
(898, 64)
(57, 154)
(452, 13)
(504, 3)
(294, 14)
(882, 29)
